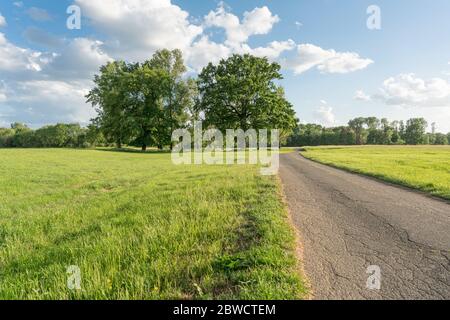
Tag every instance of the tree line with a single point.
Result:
(141, 104)
(371, 130)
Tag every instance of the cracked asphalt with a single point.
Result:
(348, 222)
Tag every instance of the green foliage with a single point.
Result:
(366, 131)
(141, 104)
(52, 136)
(415, 131)
(420, 167)
(240, 93)
(144, 233)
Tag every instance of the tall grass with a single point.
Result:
(139, 227)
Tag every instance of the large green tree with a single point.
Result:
(142, 103)
(241, 93)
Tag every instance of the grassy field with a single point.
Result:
(139, 227)
(426, 168)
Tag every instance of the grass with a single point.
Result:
(426, 168)
(139, 227)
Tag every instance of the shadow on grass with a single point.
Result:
(133, 150)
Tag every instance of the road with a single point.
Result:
(348, 222)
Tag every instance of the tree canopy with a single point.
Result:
(241, 92)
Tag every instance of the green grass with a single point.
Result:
(425, 168)
(139, 227)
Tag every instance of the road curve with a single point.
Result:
(348, 222)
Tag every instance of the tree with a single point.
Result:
(441, 139)
(141, 103)
(240, 93)
(6, 137)
(415, 131)
(110, 97)
(357, 125)
(176, 96)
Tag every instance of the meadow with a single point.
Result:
(139, 227)
(426, 168)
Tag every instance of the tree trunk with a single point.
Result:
(144, 147)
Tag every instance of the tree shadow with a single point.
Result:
(133, 150)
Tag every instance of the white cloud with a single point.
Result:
(18, 4)
(324, 114)
(48, 87)
(326, 61)
(409, 90)
(2, 20)
(80, 59)
(256, 22)
(38, 14)
(273, 50)
(298, 24)
(204, 51)
(16, 59)
(43, 102)
(361, 96)
(136, 28)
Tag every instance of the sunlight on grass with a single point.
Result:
(139, 227)
(426, 168)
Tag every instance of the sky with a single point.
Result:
(340, 59)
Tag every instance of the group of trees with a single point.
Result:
(141, 104)
(369, 130)
(53, 136)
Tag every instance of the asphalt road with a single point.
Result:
(348, 222)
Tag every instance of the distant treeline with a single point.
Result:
(53, 136)
(361, 131)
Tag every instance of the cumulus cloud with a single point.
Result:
(80, 59)
(409, 90)
(326, 61)
(324, 114)
(136, 28)
(256, 22)
(49, 102)
(361, 96)
(2, 20)
(204, 51)
(38, 14)
(40, 88)
(16, 59)
(273, 50)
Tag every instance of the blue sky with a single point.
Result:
(335, 68)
